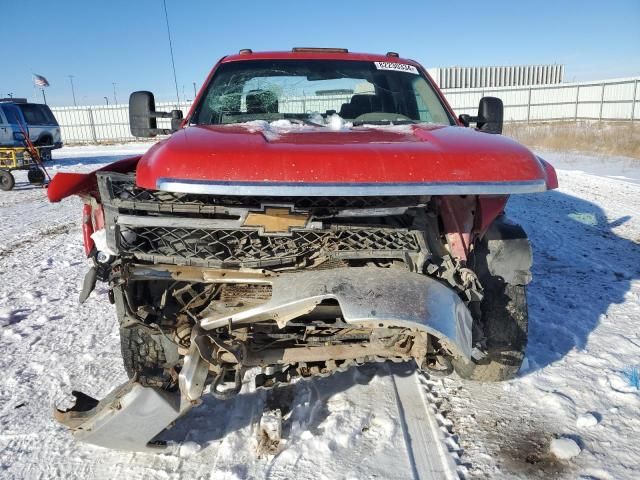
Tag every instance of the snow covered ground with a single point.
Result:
(584, 317)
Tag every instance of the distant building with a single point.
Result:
(483, 77)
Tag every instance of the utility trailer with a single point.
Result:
(20, 158)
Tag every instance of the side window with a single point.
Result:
(423, 112)
(2, 119)
(429, 107)
(10, 114)
(33, 114)
(48, 114)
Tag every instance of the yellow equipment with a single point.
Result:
(19, 158)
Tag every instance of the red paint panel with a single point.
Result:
(87, 229)
(550, 173)
(421, 154)
(362, 57)
(98, 218)
(457, 214)
(488, 209)
(64, 185)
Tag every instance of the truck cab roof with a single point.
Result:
(318, 54)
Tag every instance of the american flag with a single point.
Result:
(40, 81)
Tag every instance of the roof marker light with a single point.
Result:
(319, 50)
(245, 51)
(392, 54)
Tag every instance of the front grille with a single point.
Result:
(249, 248)
(206, 230)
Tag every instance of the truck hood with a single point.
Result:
(258, 158)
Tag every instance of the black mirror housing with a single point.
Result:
(143, 115)
(142, 122)
(490, 115)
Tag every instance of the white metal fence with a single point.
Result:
(103, 123)
(617, 100)
(491, 77)
(605, 100)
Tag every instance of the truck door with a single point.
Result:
(8, 125)
(6, 137)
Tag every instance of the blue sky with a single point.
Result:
(125, 41)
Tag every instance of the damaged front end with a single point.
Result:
(313, 323)
(208, 287)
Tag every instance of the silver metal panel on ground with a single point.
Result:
(126, 419)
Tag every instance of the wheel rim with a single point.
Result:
(6, 180)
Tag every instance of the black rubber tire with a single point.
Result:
(43, 141)
(36, 176)
(7, 181)
(505, 324)
(144, 357)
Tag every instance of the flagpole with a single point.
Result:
(44, 97)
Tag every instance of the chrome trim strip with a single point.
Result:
(348, 189)
(179, 222)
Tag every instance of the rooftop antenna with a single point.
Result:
(173, 64)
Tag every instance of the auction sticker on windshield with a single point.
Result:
(400, 67)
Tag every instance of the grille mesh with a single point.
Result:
(240, 246)
(123, 189)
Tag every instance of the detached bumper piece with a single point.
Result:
(128, 418)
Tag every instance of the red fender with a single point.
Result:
(64, 185)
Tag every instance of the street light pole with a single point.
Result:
(173, 65)
(115, 100)
(73, 92)
(195, 94)
(106, 99)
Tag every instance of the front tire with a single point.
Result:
(144, 357)
(504, 322)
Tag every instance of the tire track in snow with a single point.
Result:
(423, 429)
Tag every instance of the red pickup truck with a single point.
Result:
(314, 210)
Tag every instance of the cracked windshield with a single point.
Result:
(317, 92)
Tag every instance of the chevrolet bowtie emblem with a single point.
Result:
(276, 220)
